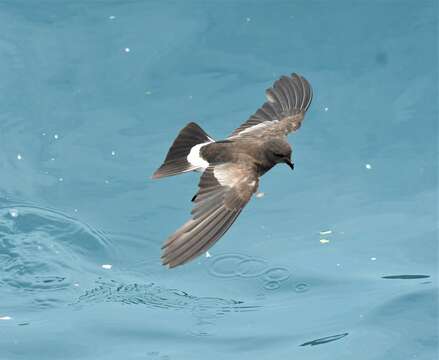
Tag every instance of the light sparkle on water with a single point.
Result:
(13, 213)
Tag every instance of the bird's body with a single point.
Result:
(252, 153)
(231, 167)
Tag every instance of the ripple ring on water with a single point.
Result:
(272, 285)
(215, 267)
(302, 287)
(244, 265)
(271, 274)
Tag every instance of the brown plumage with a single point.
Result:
(232, 167)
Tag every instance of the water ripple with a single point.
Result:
(155, 296)
(235, 265)
(42, 251)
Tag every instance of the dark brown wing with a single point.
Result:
(224, 190)
(288, 100)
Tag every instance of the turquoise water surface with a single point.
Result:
(339, 259)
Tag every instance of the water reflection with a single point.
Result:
(405, 277)
(325, 340)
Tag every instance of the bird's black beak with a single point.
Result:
(289, 163)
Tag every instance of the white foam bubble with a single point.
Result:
(127, 49)
(107, 266)
(368, 166)
(19, 157)
(5, 318)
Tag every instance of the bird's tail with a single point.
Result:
(177, 160)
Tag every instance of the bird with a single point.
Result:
(231, 168)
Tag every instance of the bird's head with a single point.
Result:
(279, 151)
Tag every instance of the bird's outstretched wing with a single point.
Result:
(224, 190)
(288, 100)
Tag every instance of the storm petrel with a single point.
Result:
(231, 167)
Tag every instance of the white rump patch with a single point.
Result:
(194, 157)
